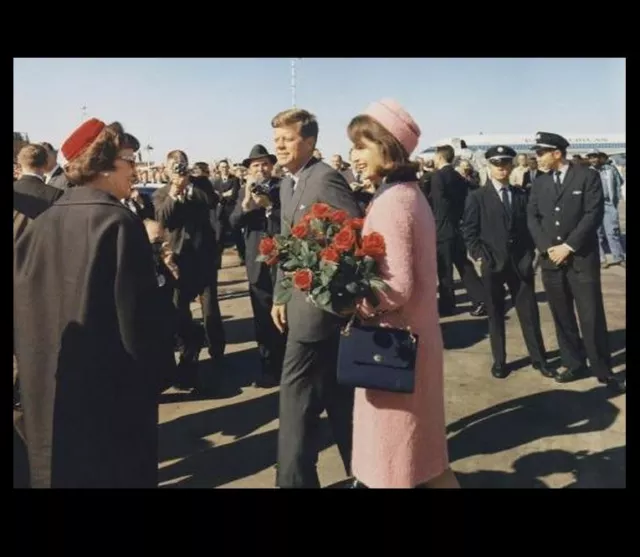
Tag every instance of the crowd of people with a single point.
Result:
(125, 264)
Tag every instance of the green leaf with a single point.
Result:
(323, 299)
(317, 290)
(369, 264)
(378, 284)
(353, 288)
(304, 249)
(283, 296)
(291, 265)
(373, 299)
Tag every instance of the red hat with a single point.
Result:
(80, 139)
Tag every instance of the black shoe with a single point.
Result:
(572, 375)
(544, 370)
(479, 311)
(266, 381)
(616, 383)
(499, 371)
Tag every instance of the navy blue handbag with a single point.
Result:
(378, 358)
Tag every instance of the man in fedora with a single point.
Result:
(257, 211)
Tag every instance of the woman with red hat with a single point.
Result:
(89, 341)
(399, 440)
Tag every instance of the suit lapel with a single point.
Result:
(494, 198)
(564, 187)
(297, 195)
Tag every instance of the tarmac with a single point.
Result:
(524, 431)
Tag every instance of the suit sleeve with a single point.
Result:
(169, 213)
(238, 217)
(439, 200)
(396, 268)
(279, 273)
(138, 305)
(593, 212)
(337, 193)
(471, 226)
(534, 218)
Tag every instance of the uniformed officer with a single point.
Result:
(495, 232)
(566, 207)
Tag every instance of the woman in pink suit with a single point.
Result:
(399, 440)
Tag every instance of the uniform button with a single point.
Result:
(557, 208)
(558, 238)
(557, 223)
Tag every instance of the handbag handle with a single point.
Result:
(346, 330)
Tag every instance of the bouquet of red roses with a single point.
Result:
(326, 256)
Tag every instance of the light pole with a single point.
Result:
(84, 112)
(293, 81)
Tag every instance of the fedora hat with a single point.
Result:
(259, 152)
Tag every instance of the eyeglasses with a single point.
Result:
(131, 159)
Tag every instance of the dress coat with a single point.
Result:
(399, 440)
(89, 344)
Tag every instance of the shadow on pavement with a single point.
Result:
(212, 466)
(531, 418)
(464, 333)
(606, 469)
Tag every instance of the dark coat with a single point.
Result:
(256, 224)
(89, 344)
(571, 215)
(496, 236)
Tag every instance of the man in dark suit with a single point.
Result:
(495, 232)
(31, 196)
(566, 207)
(229, 188)
(183, 210)
(54, 175)
(140, 203)
(530, 175)
(258, 212)
(308, 385)
(448, 192)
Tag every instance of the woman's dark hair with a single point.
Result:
(395, 157)
(101, 155)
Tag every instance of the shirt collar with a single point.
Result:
(33, 174)
(498, 186)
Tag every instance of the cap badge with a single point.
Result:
(500, 149)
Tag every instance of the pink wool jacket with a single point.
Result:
(399, 440)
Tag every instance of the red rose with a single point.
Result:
(339, 216)
(300, 230)
(307, 218)
(373, 245)
(356, 224)
(344, 240)
(330, 254)
(267, 246)
(321, 211)
(303, 279)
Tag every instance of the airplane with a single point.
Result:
(470, 146)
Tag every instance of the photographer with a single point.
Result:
(184, 211)
(258, 212)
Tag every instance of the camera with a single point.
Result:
(260, 189)
(180, 168)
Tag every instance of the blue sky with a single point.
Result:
(217, 107)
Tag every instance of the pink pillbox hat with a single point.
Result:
(397, 121)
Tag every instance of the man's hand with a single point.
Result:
(261, 200)
(279, 316)
(178, 185)
(558, 254)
